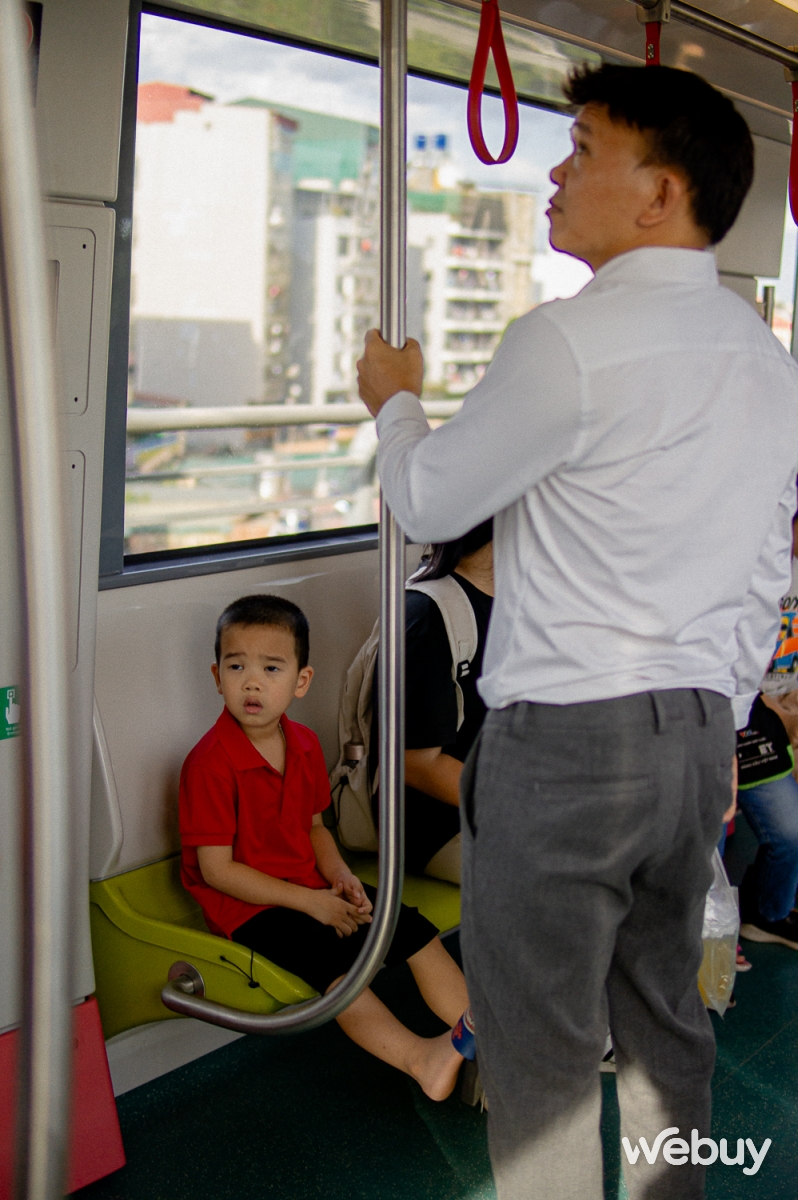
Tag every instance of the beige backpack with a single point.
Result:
(351, 781)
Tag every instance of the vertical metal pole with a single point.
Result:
(43, 1109)
(393, 236)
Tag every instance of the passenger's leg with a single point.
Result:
(551, 831)
(772, 812)
(663, 1039)
(432, 1062)
(446, 863)
(440, 981)
(565, 805)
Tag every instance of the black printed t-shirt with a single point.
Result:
(431, 715)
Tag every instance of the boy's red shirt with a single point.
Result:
(230, 796)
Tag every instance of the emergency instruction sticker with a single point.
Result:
(9, 713)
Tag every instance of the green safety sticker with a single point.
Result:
(9, 713)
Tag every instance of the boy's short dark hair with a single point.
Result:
(689, 125)
(267, 610)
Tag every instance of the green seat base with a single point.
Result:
(144, 921)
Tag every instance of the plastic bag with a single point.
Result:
(720, 934)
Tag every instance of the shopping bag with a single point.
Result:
(720, 933)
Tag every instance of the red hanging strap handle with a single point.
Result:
(652, 14)
(653, 31)
(792, 78)
(491, 38)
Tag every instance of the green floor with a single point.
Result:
(314, 1116)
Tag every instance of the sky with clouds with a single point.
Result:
(230, 66)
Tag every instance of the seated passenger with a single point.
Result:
(435, 749)
(770, 804)
(263, 867)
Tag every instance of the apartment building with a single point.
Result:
(476, 253)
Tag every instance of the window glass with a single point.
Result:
(440, 37)
(255, 275)
(779, 308)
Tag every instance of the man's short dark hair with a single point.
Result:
(690, 126)
(267, 610)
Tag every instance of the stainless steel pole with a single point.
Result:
(393, 238)
(43, 1108)
(184, 992)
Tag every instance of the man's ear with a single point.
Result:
(215, 673)
(303, 682)
(669, 198)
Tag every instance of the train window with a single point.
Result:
(777, 304)
(255, 276)
(255, 266)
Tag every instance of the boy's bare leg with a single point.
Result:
(440, 981)
(432, 1062)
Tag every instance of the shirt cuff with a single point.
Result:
(741, 708)
(403, 404)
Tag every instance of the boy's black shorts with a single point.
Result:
(299, 944)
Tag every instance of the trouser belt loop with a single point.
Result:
(701, 706)
(658, 711)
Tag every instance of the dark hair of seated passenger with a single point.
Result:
(267, 610)
(689, 126)
(441, 558)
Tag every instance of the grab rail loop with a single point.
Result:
(184, 993)
(492, 38)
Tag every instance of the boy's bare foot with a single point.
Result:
(437, 1066)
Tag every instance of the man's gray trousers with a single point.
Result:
(588, 831)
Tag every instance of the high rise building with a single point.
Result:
(335, 296)
(212, 241)
(476, 259)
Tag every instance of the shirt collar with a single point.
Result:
(243, 755)
(655, 265)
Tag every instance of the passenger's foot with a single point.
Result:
(741, 962)
(785, 932)
(437, 1066)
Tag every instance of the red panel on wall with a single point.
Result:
(96, 1145)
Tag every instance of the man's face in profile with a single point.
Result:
(607, 196)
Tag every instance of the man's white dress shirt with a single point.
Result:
(638, 446)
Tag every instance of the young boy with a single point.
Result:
(263, 867)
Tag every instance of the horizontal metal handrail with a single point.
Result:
(734, 33)
(264, 416)
(280, 466)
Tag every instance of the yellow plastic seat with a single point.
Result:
(144, 921)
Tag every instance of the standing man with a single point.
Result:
(638, 446)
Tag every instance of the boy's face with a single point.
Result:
(258, 674)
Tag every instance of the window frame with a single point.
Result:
(118, 569)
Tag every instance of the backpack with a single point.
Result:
(351, 780)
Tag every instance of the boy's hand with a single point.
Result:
(329, 908)
(353, 891)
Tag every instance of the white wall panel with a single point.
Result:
(156, 696)
(753, 244)
(79, 96)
